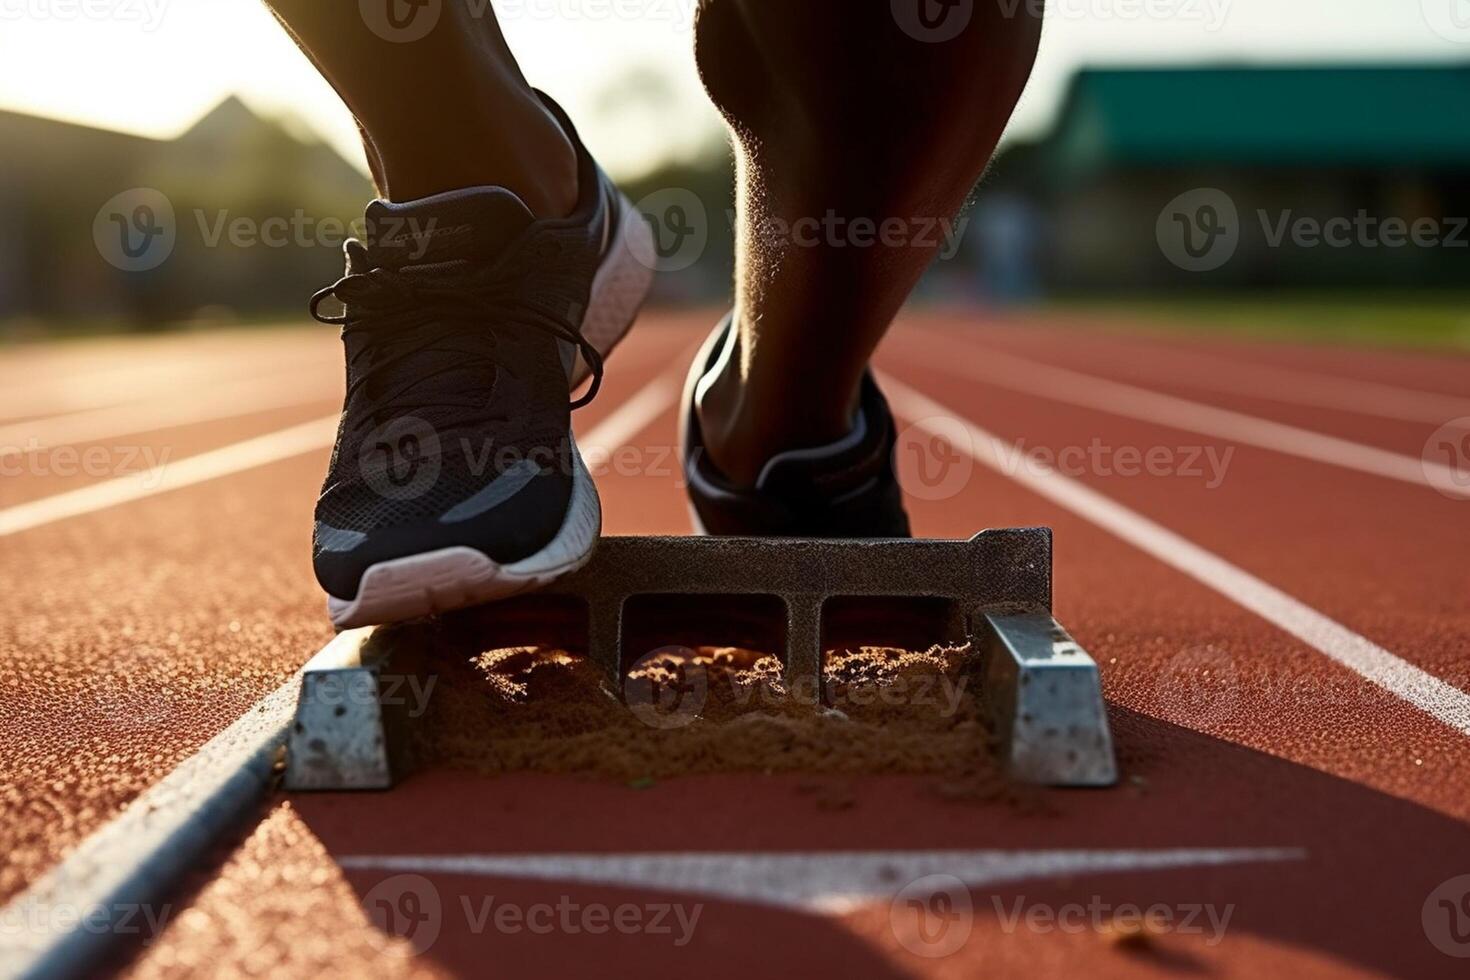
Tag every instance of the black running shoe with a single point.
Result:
(467, 324)
(845, 490)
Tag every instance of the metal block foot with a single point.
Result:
(350, 730)
(1044, 696)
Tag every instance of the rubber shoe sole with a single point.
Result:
(453, 578)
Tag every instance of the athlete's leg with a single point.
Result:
(441, 111)
(501, 270)
(843, 119)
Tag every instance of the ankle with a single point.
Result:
(745, 424)
(539, 164)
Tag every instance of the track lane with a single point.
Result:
(143, 459)
(1095, 393)
(1442, 370)
(1172, 649)
(1352, 412)
(1286, 919)
(1315, 781)
(45, 380)
(1250, 796)
(1340, 541)
(226, 399)
(133, 636)
(136, 633)
(252, 412)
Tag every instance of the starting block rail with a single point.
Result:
(1041, 690)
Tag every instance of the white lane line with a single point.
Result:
(83, 390)
(1291, 386)
(621, 424)
(824, 882)
(1439, 700)
(1297, 387)
(168, 476)
(222, 401)
(630, 418)
(58, 925)
(126, 867)
(1114, 397)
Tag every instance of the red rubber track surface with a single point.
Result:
(134, 634)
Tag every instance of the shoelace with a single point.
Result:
(426, 315)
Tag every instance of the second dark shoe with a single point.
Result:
(844, 490)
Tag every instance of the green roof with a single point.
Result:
(1367, 116)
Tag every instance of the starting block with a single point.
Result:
(1041, 690)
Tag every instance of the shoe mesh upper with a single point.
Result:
(488, 393)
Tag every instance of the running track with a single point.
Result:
(1283, 642)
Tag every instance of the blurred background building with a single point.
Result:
(1345, 110)
(1289, 146)
(232, 164)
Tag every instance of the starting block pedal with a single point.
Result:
(1041, 690)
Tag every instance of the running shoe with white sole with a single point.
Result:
(848, 489)
(468, 323)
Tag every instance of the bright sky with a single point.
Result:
(152, 66)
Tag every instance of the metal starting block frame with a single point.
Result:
(1041, 690)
